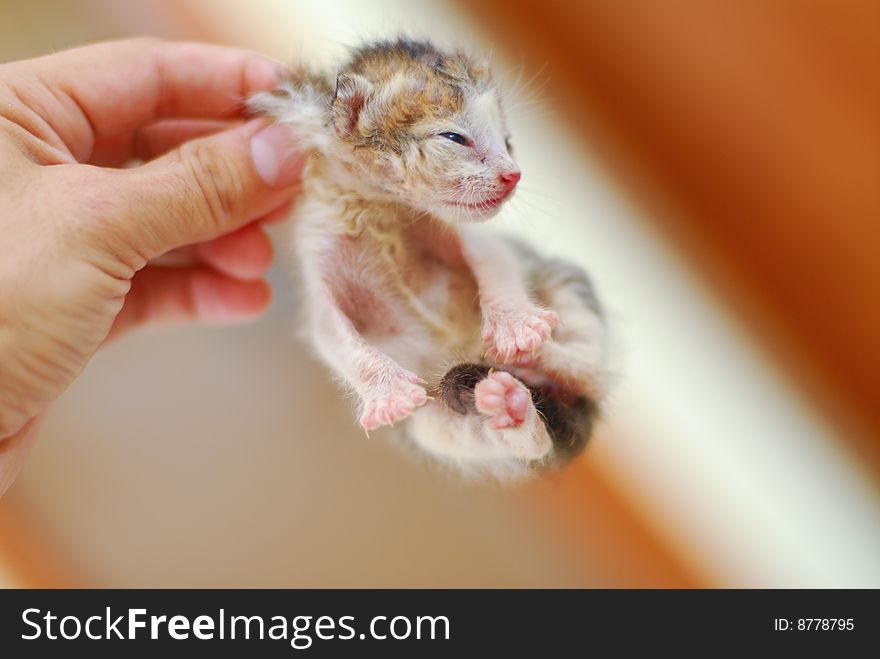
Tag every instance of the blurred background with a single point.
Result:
(715, 166)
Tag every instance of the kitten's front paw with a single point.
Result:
(514, 335)
(503, 398)
(394, 402)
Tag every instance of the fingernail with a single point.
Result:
(275, 156)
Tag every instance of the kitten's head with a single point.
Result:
(425, 128)
(408, 123)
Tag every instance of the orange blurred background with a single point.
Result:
(715, 166)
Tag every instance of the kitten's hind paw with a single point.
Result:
(503, 398)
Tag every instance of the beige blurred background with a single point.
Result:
(226, 457)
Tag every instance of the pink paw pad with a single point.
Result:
(503, 398)
(394, 404)
(514, 337)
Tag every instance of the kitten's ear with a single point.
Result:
(480, 71)
(352, 93)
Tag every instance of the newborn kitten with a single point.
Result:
(490, 353)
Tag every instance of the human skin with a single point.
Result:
(82, 228)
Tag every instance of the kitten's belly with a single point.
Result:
(431, 326)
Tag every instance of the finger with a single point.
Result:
(154, 140)
(162, 296)
(244, 254)
(101, 91)
(189, 254)
(278, 215)
(204, 189)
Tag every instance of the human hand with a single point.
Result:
(80, 235)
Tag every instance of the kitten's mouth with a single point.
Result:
(484, 206)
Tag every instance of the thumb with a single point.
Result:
(209, 187)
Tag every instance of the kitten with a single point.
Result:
(490, 353)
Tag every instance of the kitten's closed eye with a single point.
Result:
(455, 137)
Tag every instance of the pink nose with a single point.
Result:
(510, 179)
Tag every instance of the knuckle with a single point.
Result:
(214, 180)
(102, 229)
